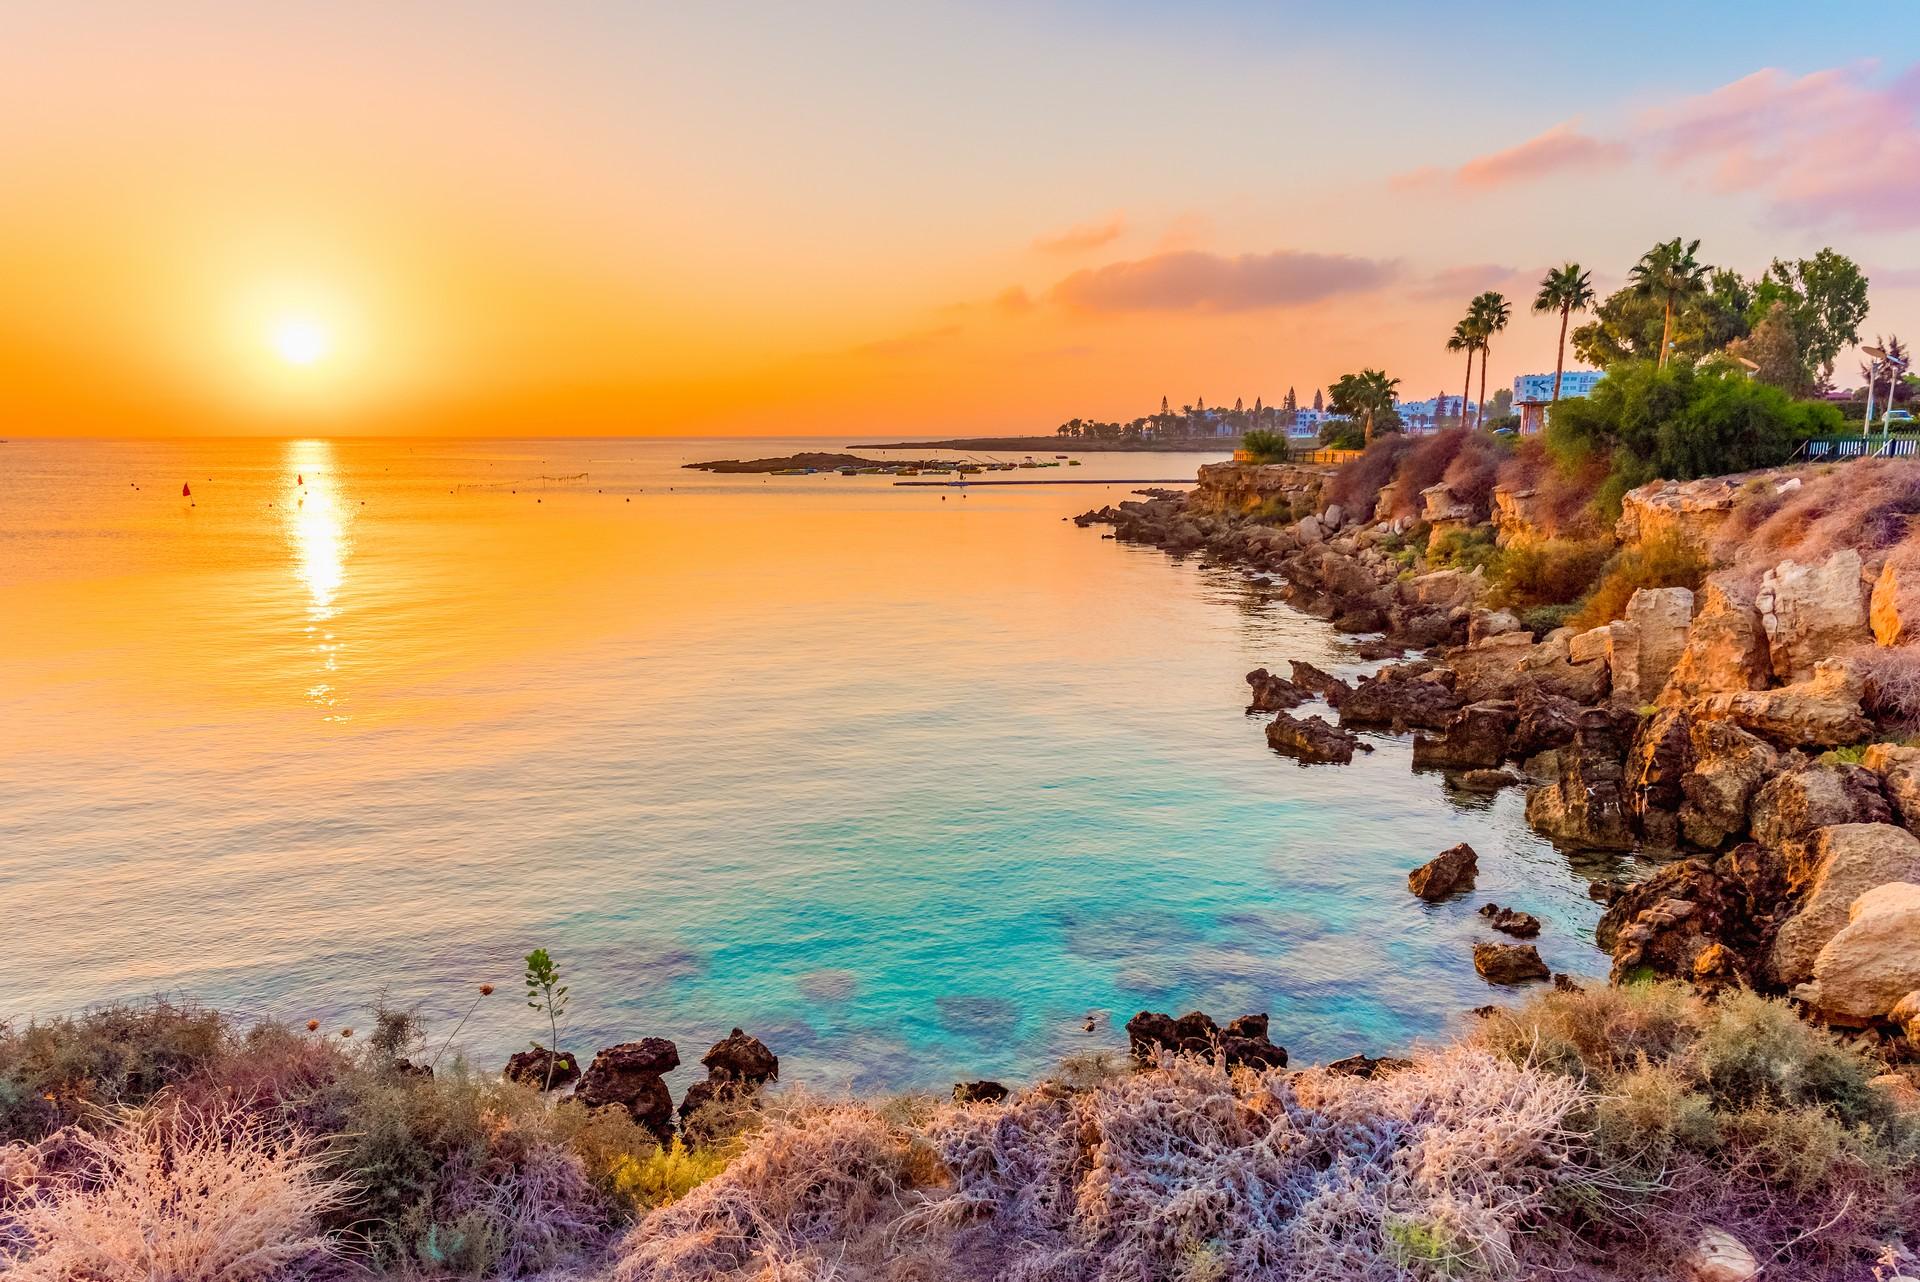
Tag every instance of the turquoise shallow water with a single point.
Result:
(905, 782)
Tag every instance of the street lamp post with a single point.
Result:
(1875, 355)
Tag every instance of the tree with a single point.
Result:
(1489, 314)
(1367, 396)
(1566, 289)
(1826, 299)
(1681, 422)
(1290, 404)
(1462, 341)
(1627, 326)
(1670, 272)
(1317, 406)
(1776, 351)
(546, 995)
(1163, 405)
(1265, 446)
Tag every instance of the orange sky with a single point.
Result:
(854, 219)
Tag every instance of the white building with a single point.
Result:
(1308, 423)
(1533, 393)
(1420, 417)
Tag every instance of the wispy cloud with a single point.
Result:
(1466, 281)
(1560, 149)
(1838, 146)
(909, 344)
(1086, 236)
(1192, 281)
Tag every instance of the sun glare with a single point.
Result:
(300, 341)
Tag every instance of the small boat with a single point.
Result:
(792, 471)
(1073, 462)
(186, 491)
(966, 469)
(849, 471)
(1059, 456)
(909, 471)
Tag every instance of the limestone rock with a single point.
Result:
(1476, 736)
(1595, 645)
(1448, 872)
(1729, 766)
(629, 1075)
(1871, 964)
(1402, 696)
(1273, 693)
(1905, 1016)
(1511, 920)
(1317, 681)
(1822, 711)
(542, 1069)
(1490, 623)
(1149, 1034)
(1312, 740)
(1692, 511)
(1792, 805)
(1893, 611)
(1899, 1092)
(1442, 507)
(1647, 644)
(1509, 963)
(1446, 588)
(1844, 862)
(1810, 612)
(1694, 918)
(1899, 771)
(1483, 780)
(1497, 667)
(1725, 649)
(1585, 805)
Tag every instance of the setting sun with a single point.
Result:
(301, 341)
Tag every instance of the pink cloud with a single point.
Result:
(1558, 150)
(1466, 281)
(1192, 281)
(1833, 146)
(1077, 240)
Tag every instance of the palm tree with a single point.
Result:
(1489, 314)
(1369, 394)
(1462, 341)
(1669, 271)
(1565, 290)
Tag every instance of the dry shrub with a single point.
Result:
(1563, 490)
(184, 1197)
(1549, 571)
(1475, 470)
(1665, 561)
(60, 1072)
(1892, 678)
(1356, 484)
(1734, 1113)
(1870, 504)
(1187, 1171)
(1421, 465)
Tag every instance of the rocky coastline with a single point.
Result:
(1728, 734)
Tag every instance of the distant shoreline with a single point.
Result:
(1071, 445)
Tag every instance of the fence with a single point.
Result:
(1322, 456)
(1846, 447)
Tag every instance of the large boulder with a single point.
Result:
(1446, 589)
(1497, 667)
(1542, 720)
(628, 1076)
(1647, 644)
(1725, 649)
(1792, 805)
(738, 1057)
(1729, 766)
(1244, 1042)
(1311, 740)
(1691, 511)
(1402, 697)
(542, 1069)
(1476, 736)
(1842, 863)
(1810, 612)
(1318, 681)
(1585, 804)
(1658, 762)
(1823, 711)
(1695, 919)
(1870, 965)
(1450, 871)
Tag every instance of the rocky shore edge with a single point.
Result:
(1725, 733)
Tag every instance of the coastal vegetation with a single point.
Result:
(1608, 1133)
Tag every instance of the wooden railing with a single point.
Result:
(1322, 456)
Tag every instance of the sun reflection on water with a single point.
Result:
(317, 527)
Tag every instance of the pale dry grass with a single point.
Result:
(182, 1198)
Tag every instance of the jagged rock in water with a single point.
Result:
(740, 1058)
(1585, 805)
(1244, 1041)
(1726, 648)
(1319, 682)
(1312, 740)
(1822, 711)
(1810, 612)
(1450, 871)
(1663, 926)
(1150, 1033)
(1511, 921)
(1402, 696)
(1867, 969)
(1273, 693)
(541, 1068)
(629, 1075)
(1475, 737)
(1483, 780)
(1729, 766)
(1842, 862)
(1509, 963)
(984, 1091)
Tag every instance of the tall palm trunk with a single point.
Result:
(1466, 386)
(1481, 417)
(1560, 357)
(1666, 332)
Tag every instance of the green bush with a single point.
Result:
(1462, 549)
(1265, 446)
(1548, 572)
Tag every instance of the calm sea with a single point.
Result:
(906, 781)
